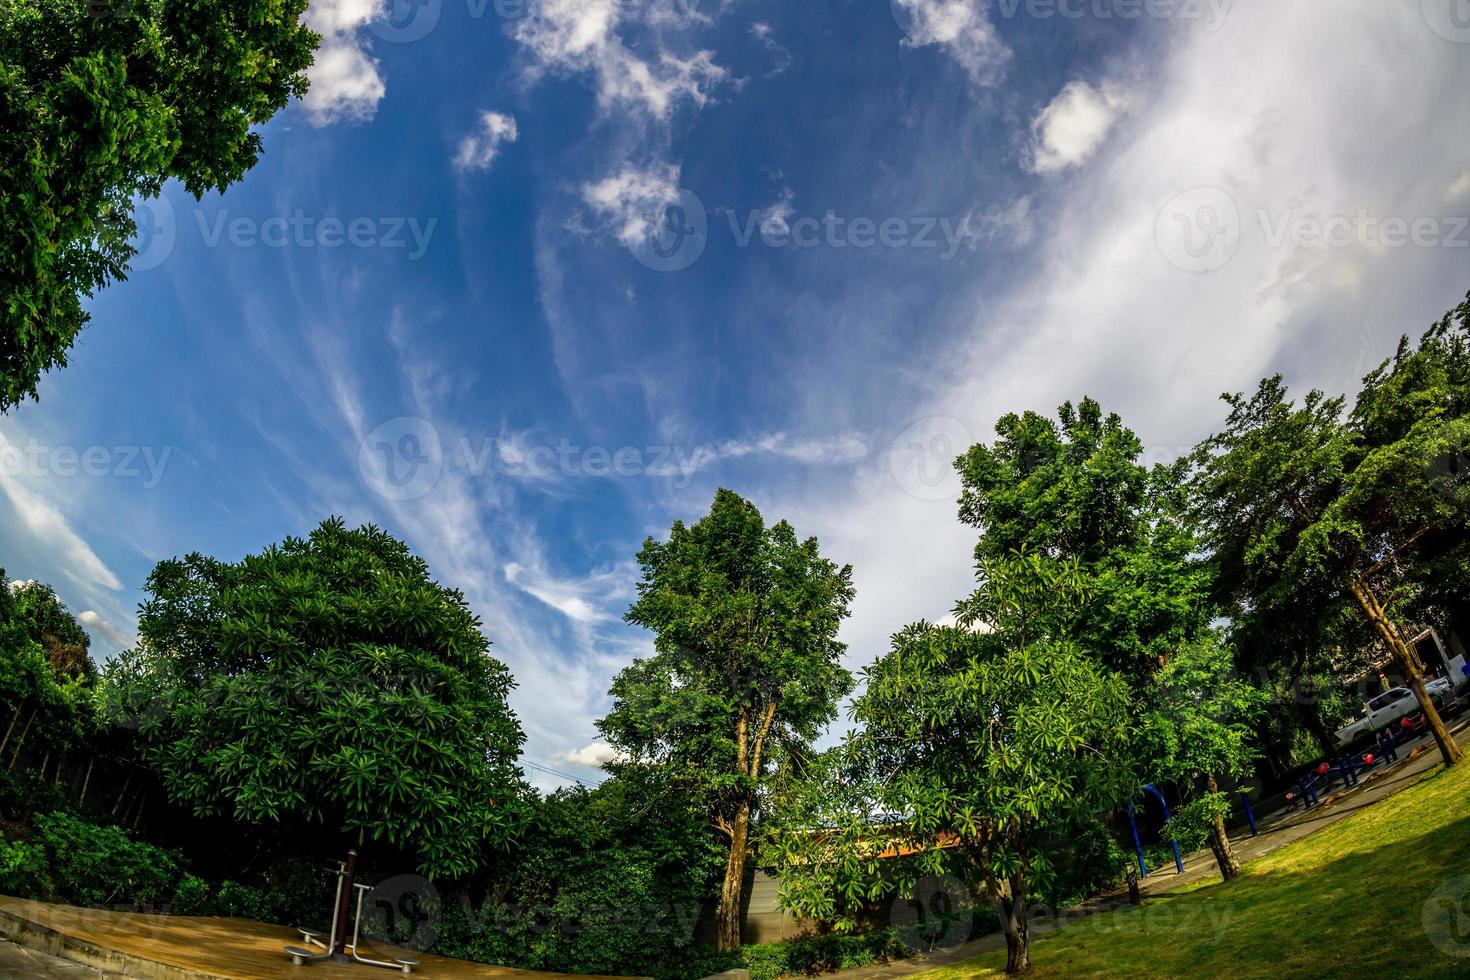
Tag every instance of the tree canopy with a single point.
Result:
(1077, 488)
(101, 103)
(747, 668)
(328, 681)
(979, 745)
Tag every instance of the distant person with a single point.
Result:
(1465, 669)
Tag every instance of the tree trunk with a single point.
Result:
(10, 730)
(1220, 840)
(727, 937)
(1010, 908)
(21, 741)
(1404, 660)
(87, 779)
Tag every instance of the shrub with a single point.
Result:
(23, 868)
(244, 901)
(191, 897)
(821, 954)
(95, 865)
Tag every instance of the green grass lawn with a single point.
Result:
(1385, 892)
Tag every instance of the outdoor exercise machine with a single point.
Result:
(1347, 769)
(337, 948)
(1138, 845)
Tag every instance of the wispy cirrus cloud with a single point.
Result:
(582, 37)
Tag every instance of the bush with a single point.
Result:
(24, 869)
(610, 880)
(1094, 861)
(821, 954)
(95, 865)
(191, 897)
(293, 893)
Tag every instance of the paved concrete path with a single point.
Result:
(1275, 831)
(17, 961)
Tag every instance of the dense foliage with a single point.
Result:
(101, 103)
(327, 682)
(606, 880)
(46, 677)
(1077, 489)
(747, 670)
(980, 744)
(1203, 727)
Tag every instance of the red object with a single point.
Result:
(1368, 759)
(1406, 724)
(1322, 769)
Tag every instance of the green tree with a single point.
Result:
(46, 678)
(747, 668)
(101, 102)
(980, 745)
(326, 681)
(1203, 722)
(1424, 390)
(1077, 488)
(1298, 502)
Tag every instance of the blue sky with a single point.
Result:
(524, 281)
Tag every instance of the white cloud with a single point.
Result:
(581, 36)
(781, 57)
(479, 149)
(1102, 311)
(962, 28)
(1015, 223)
(45, 523)
(99, 626)
(810, 452)
(583, 600)
(631, 200)
(776, 219)
(596, 755)
(1072, 127)
(346, 84)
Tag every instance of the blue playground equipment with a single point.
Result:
(1346, 770)
(1138, 845)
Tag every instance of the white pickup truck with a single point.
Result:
(1389, 707)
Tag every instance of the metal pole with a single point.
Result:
(1137, 845)
(344, 904)
(1249, 814)
(1178, 861)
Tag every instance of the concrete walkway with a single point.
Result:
(17, 961)
(1275, 831)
